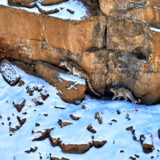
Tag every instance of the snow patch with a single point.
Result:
(71, 78)
(155, 29)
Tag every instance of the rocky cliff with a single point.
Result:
(117, 44)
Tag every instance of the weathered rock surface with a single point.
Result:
(139, 10)
(69, 91)
(9, 74)
(116, 48)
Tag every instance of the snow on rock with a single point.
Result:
(71, 78)
(155, 29)
(10, 75)
(72, 9)
(128, 131)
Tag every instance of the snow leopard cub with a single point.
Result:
(125, 93)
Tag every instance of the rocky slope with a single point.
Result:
(118, 45)
(37, 125)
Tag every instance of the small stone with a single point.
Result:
(148, 148)
(37, 124)
(21, 121)
(118, 112)
(130, 128)
(91, 129)
(64, 124)
(21, 83)
(74, 117)
(19, 106)
(32, 149)
(159, 133)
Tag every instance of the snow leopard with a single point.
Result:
(77, 70)
(124, 93)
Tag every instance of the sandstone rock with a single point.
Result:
(91, 129)
(129, 36)
(44, 134)
(21, 121)
(21, 83)
(22, 3)
(49, 2)
(99, 144)
(9, 74)
(13, 130)
(74, 117)
(75, 148)
(19, 106)
(55, 141)
(148, 148)
(139, 10)
(120, 49)
(64, 123)
(32, 149)
(78, 36)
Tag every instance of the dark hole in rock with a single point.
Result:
(139, 53)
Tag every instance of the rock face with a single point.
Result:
(116, 46)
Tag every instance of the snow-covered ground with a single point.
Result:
(117, 116)
(80, 11)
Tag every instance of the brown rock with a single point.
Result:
(13, 130)
(50, 2)
(99, 144)
(44, 135)
(9, 74)
(91, 129)
(148, 148)
(54, 158)
(32, 149)
(19, 106)
(22, 3)
(78, 36)
(130, 128)
(37, 101)
(55, 141)
(74, 117)
(75, 148)
(138, 10)
(44, 95)
(21, 121)
(21, 83)
(129, 36)
(63, 123)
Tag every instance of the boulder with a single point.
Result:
(39, 37)
(9, 73)
(71, 88)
